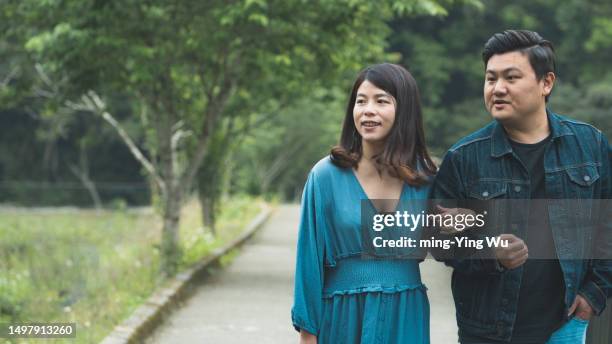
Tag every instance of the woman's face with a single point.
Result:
(373, 113)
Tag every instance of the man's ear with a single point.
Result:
(548, 82)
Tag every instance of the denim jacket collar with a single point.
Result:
(499, 140)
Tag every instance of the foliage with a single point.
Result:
(281, 56)
(94, 270)
(278, 154)
(444, 54)
(184, 65)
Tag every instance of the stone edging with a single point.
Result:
(149, 315)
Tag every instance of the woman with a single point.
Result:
(339, 296)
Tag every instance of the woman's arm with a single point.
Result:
(307, 338)
(309, 271)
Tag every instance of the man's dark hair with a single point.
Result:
(540, 52)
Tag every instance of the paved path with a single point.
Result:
(437, 278)
(250, 301)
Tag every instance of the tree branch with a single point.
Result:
(93, 103)
(82, 173)
(214, 110)
(12, 73)
(178, 134)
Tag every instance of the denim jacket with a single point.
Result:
(483, 166)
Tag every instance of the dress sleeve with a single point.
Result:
(309, 272)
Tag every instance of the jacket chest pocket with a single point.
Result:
(486, 190)
(581, 181)
(489, 198)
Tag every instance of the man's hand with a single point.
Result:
(453, 212)
(514, 255)
(581, 308)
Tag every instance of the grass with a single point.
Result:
(95, 269)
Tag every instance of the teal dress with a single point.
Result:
(341, 294)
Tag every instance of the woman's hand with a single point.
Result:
(307, 338)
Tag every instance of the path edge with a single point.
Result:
(142, 322)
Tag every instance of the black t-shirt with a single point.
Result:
(542, 293)
(541, 296)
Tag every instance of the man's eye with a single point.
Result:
(383, 101)
(360, 101)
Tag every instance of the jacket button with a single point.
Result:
(517, 188)
(587, 178)
(485, 194)
(500, 328)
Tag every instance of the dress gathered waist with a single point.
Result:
(357, 275)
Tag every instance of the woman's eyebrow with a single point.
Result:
(377, 95)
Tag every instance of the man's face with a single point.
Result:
(511, 89)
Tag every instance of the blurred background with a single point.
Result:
(137, 136)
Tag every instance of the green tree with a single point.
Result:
(183, 64)
(444, 54)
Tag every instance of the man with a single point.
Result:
(529, 153)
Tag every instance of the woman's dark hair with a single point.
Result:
(405, 154)
(540, 52)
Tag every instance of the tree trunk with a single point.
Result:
(93, 192)
(228, 176)
(170, 248)
(208, 205)
(173, 196)
(82, 173)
